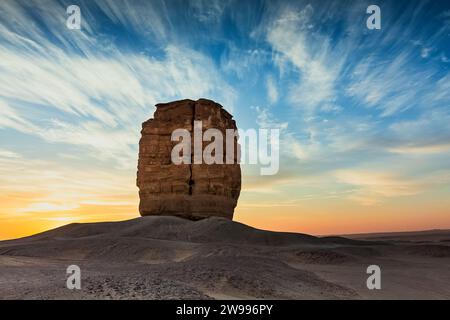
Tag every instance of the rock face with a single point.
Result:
(192, 191)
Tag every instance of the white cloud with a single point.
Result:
(289, 145)
(375, 186)
(425, 52)
(47, 207)
(290, 36)
(10, 118)
(427, 132)
(8, 154)
(143, 17)
(52, 186)
(245, 64)
(266, 120)
(106, 94)
(426, 149)
(328, 68)
(391, 86)
(272, 91)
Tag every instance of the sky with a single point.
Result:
(363, 114)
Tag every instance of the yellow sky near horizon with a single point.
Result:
(312, 216)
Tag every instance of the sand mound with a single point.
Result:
(177, 229)
(154, 239)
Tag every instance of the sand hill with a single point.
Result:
(161, 257)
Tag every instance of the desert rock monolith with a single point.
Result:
(192, 191)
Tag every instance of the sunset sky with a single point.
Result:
(364, 114)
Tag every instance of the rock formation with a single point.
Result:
(192, 191)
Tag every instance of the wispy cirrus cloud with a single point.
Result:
(52, 186)
(272, 90)
(373, 187)
(83, 92)
(358, 98)
(291, 36)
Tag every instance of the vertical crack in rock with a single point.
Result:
(192, 191)
(191, 181)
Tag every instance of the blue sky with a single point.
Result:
(363, 113)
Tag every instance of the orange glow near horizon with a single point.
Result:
(26, 225)
(343, 222)
(37, 199)
(311, 217)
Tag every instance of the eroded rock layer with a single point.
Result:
(192, 191)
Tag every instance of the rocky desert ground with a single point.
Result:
(158, 257)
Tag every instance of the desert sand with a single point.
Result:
(161, 257)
